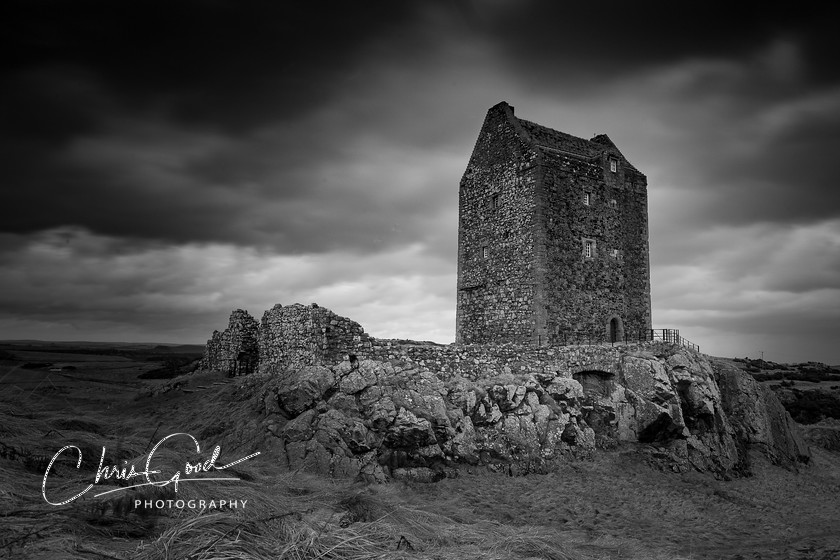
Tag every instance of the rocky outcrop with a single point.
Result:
(233, 351)
(377, 420)
(337, 401)
(663, 395)
(761, 423)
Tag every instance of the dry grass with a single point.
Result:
(308, 518)
(614, 507)
(288, 516)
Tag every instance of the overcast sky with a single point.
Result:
(166, 162)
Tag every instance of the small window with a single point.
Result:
(484, 252)
(589, 248)
(613, 203)
(587, 199)
(615, 253)
(613, 165)
(494, 202)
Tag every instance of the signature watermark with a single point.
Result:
(128, 472)
(190, 504)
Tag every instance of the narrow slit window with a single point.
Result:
(484, 253)
(587, 199)
(613, 165)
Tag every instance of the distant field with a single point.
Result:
(106, 346)
(113, 368)
(47, 373)
(69, 358)
(32, 361)
(805, 385)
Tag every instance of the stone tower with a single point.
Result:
(552, 238)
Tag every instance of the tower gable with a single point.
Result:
(496, 233)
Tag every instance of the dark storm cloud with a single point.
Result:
(165, 162)
(786, 179)
(199, 121)
(732, 68)
(223, 62)
(85, 77)
(577, 44)
(750, 146)
(155, 183)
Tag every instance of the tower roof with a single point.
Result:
(548, 138)
(554, 139)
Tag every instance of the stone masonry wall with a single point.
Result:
(482, 361)
(297, 335)
(233, 351)
(529, 200)
(495, 236)
(584, 293)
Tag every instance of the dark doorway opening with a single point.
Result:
(614, 330)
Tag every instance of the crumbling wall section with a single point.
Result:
(300, 335)
(233, 351)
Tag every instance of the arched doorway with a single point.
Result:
(615, 329)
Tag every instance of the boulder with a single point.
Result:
(709, 416)
(300, 428)
(299, 390)
(357, 379)
(408, 431)
(761, 423)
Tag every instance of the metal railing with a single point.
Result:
(671, 336)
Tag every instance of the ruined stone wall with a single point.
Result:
(585, 200)
(483, 361)
(301, 335)
(233, 351)
(495, 236)
(343, 403)
(297, 335)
